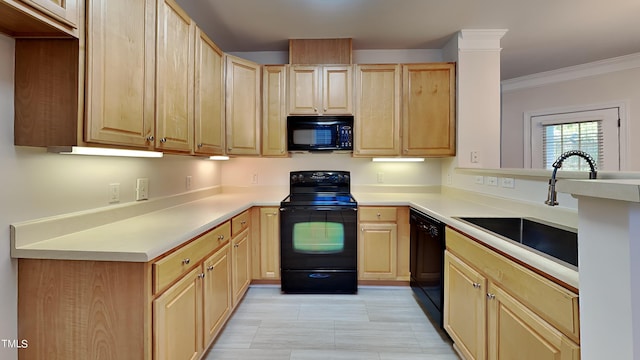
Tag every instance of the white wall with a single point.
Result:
(618, 86)
(274, 172)
(37, 184)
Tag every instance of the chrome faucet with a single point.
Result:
(552, 195)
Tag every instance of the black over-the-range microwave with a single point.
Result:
(320, 133)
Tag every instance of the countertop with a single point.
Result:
(146, 236)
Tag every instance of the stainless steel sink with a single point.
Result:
(555, 240)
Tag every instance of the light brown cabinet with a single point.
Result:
(175, 78)
(241, 265)
(428, 109)
(497, 309)
(377, 115)
(242, 106)
(320, 90)
(41, 18)
(120, 74)
(274, 111)
(177, 319)
(216, 293)
(383, 243)
(209, 97)
(65, 11)
(269, 243)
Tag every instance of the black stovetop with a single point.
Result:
(319, 188)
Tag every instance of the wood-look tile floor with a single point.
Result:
(381, 323)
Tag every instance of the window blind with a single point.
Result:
(586, 136)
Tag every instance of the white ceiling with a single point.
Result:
(543, 34)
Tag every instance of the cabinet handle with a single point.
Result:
(186, 261)
(210, 267)
(491, 296)
(378, 214)
(325, 109)
(236, 245)
(315, 109)
(201, 275)
(406, 151)
(220, 237)
(476, 285)
(243, 222)
(150, 138)
(163, 140)
(199, 145)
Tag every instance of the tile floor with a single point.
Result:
(381, 323)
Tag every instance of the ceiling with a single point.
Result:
(542, 34)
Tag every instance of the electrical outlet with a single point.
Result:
(475, 157)
(492, 181)
(380, 178)
(114, 193)
(507, 183)
(254, 178)
(479, 180)
(142, 189)
(187, 184)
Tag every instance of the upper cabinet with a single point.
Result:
(320, 90)
(274, 111)
(209, 97)
(41, 18)
(120, 74)
(377, 115)
(428, 109)
(242, 106)
(175, 78)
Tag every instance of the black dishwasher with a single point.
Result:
(427, 263)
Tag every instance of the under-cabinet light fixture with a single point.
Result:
(397, 159)
(218, 157)
(97, 151)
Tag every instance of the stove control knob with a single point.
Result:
(294, 178)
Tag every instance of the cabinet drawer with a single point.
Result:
(387, 214)
(239, 223)
(174, 265)
(552, 302)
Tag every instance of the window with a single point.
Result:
(595, 131)
(559, 138)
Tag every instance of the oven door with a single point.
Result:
(318, 238)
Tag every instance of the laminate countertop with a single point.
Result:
(121, 235)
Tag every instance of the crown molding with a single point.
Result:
(480, 39)
(601, 67)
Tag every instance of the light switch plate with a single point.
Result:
(507, 183)
(114, 193)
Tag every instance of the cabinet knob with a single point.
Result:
(220, 237)
(186, 261)
(491, 296)
(281, 151)
(315, 109)
(476, 285)
(150, 138)
(210, 267)
(236, 245)
(199, 145)
(163, 140)
(243, 222)
(325, 109)
(378, 214)
(201, 275)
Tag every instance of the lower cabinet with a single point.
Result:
(177, 315)
(383, 243)
(269, 243)
(217, 303)
(497, 309)
(241, 265)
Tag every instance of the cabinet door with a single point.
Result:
(377, 251)
(175, 77)
(65, 11)
(274, 111)
(270, 243)
(515, 332)
(464, 307)
(377, 118)
(241, 273)
(428, 118)
(120, 74)
(217, 293)
(209, 97)
(177, 319)
(304, 90)
(242, 107)
(337, 90)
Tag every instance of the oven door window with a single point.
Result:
(318, 237)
